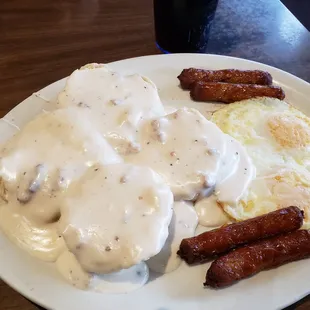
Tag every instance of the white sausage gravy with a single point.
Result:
(97, 186)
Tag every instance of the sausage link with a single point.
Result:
(207, 245)
(227, 93)
(251, 259)
(188, 77)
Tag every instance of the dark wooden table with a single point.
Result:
(42, 41)
(301, 9)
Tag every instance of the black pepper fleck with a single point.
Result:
(108, 248)
(25, 173)
(96, 169)
(139, 273)
(116, 238)
(148, 143)
(171, 164)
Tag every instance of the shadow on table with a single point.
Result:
(299, 303)
(38, 307)
(292, 307)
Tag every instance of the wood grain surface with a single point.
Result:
(45, 40)
(42, 41)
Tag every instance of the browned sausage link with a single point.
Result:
(211, 243)
(227, 93)
(251, 259)
(189, 76)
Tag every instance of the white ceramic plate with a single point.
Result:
(181, 290)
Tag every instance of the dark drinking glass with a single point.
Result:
(183, 26)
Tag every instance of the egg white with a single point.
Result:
(277, 138)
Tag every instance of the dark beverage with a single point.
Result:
(183, 26)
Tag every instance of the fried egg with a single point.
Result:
(277, 138)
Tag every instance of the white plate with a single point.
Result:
(181, 290)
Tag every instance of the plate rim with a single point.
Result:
(39, 300)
